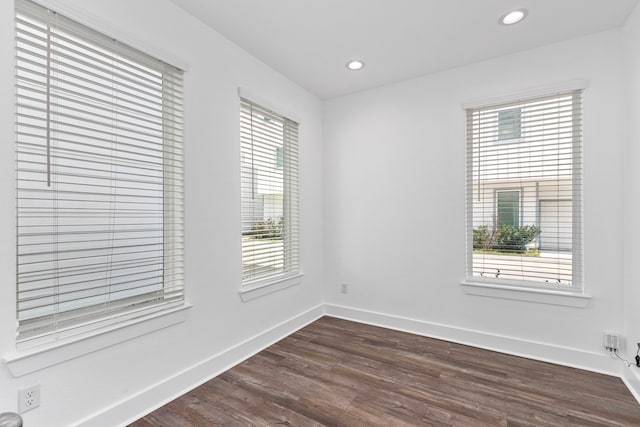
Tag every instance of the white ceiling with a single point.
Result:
(310, 41)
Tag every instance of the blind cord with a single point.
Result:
(48, 102)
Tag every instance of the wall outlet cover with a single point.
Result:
(28, 398)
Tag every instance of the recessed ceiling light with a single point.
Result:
(355, 64)
(513, 17)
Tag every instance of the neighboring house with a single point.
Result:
(262, 184)
(522, 175)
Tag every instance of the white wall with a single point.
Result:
(395, 203)
(393, 167)
(631, 34)
(77, 389)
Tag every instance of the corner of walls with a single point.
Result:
(145, 401)
(116, 383)
(407, 275)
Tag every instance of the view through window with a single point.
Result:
(524, 192)
(269, 180)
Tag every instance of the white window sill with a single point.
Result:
(541, 296)
(24, 362)
(262, 288)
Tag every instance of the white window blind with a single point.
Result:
(269, 180)
(99, 179)
(524, 192)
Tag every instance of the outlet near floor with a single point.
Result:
(28, 398)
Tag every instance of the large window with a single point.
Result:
(524, 192)
(269, 177)
(99, 179)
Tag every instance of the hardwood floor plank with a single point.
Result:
(339, 373)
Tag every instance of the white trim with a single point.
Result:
(631, 378)
(550, 89)
(576, 358)
(264, 102)
(110, 28)
(542, 296)
(136, 406)
(262, 288)
(25, 362)
(132, 408)
(571, 94)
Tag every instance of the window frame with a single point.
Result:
(497, 204)
(292, 274)
(577, 296)
(156, 315)
(511, 124)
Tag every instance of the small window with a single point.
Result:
(509, 124)
(279, 157)
(508, 208)
(269, 193)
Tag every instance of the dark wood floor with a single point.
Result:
(339, 373)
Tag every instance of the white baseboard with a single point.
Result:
(575, 358)
(134, 407)
(631, 379)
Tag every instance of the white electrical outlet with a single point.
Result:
(611, 341)
(344, 288)
(28, 398)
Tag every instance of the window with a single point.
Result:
(99, 163)
(279, 157)
(509, 125)
(524, 200)
(269, 180)
(508, 208)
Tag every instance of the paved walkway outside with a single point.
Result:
(549, 266)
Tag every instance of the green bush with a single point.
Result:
(515, 239)
(507, 238)
(268, 229)
(480, 237)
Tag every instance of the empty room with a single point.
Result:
(319, 213)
